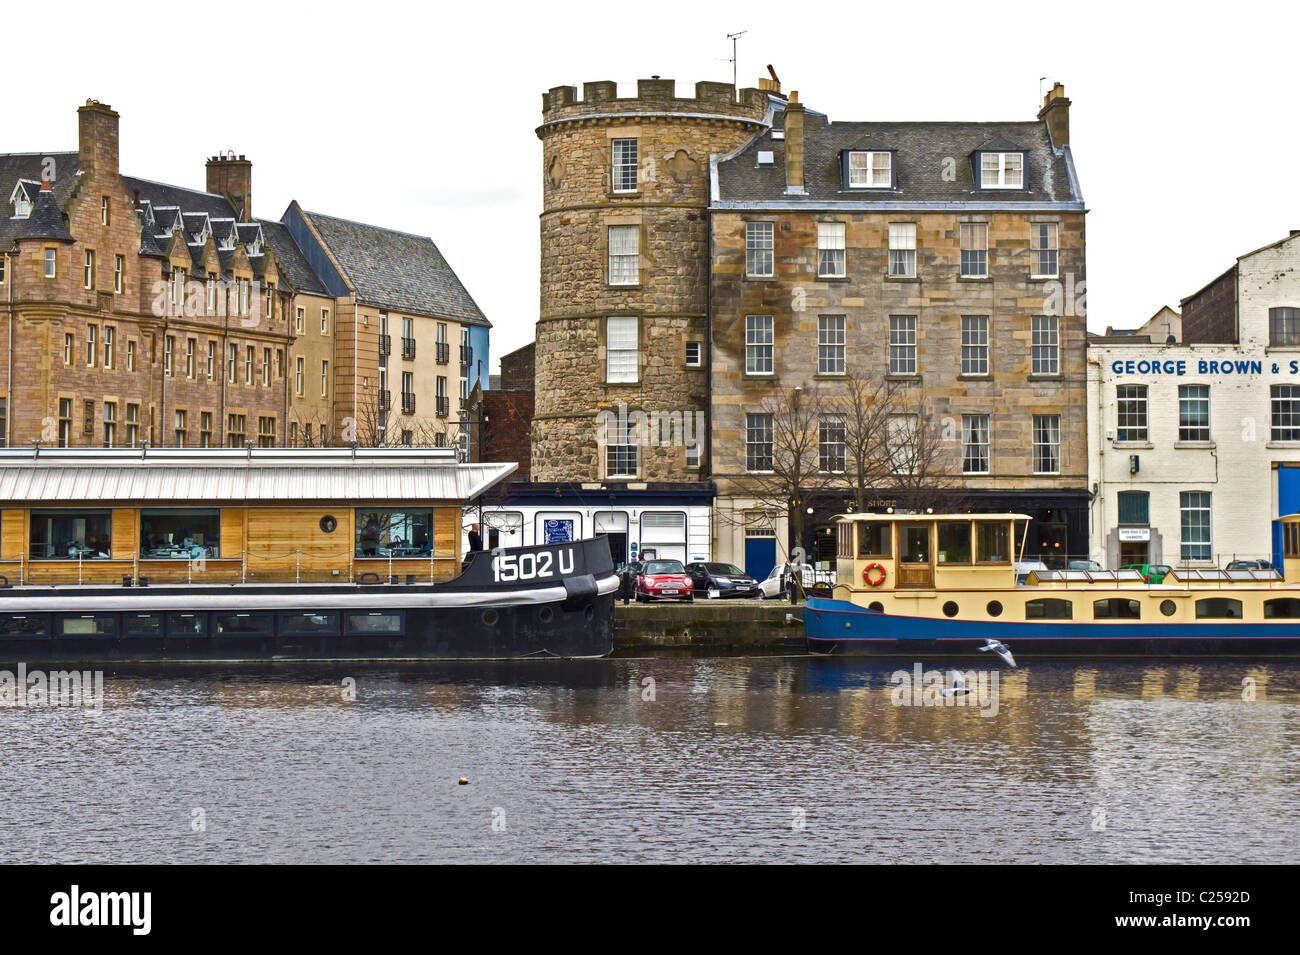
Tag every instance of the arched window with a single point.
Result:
(1281, 607)
(1116, 608)
(1049, 608)
(1218, 608)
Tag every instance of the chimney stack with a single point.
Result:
(794, 145)
(232, 176)
(1056, 111)
(97, 137)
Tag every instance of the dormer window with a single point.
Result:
(22, 201)
(1002, 170)
(870, 170)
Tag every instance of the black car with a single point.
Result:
(727, 579)
(627, 575)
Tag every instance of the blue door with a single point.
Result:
(760, 556)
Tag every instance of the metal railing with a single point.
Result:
(408, 348)
(408, 402)
(385, 344)
(443, 406)
(442, 352)
(249, 567)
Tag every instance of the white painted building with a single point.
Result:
(1194, 446)
(678, 528)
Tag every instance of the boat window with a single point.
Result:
(180, 534)
(1282, 606)
(365, 624)
(309, 624)
(1116, 608)
(954, 542)
(1049, 608)
(71, 535)
(143, 625)
(916, 544)
(19, 626)
(1218, 608)
(187, 625)
(994, 543)
(873, 539)
(242, 624)
(85, 625)
(394, 533)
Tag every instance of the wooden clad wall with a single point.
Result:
(446, 531)
(125, 532)
(13, 533)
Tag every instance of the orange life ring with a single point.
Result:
(866, 575)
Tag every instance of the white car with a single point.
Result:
(772, 587)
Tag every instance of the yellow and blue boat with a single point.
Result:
(909, 584)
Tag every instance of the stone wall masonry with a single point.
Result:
(938, 297)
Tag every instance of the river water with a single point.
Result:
(749, 759)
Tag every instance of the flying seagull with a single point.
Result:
(958, 685)
(1000, 648)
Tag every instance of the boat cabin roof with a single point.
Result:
(915, 518)
(237, 476)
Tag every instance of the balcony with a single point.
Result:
(408, 348)
(385, 345)
(408, 402)
(466, 355)
(443, 353)
(385, 402)
(443, 406)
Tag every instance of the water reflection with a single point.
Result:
(671, 759)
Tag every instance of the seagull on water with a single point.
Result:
(957, 685)
(1000, 648)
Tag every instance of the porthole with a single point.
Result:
(545, 614)
(994, 608)
(950, 609)
(1168, 608)
(490, 618)
(876, 607)
(328, 523)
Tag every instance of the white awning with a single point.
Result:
(235, 476)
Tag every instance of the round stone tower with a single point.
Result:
(624, 232)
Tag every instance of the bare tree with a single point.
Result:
(919, 457)
(794, 476)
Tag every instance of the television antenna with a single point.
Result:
(735, 38)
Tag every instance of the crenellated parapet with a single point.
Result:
(654, 95)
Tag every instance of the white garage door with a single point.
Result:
(665, 533)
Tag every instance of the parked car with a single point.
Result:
(727, 579)
(1083, 565)
(1151, 573)
(663, 580)
(1026, 567)
(816, 582)
(627, 574)
(1250, 565)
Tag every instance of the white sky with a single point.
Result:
(420, 117)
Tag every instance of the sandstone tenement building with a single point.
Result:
(708, 253)
(947, 259)
(136, 311)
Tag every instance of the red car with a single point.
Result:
(664, 580)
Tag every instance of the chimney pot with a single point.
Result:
(1056, 113)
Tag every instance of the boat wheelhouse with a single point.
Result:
(909, 583)
(269, 553)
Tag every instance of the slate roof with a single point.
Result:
(16, 166)
(293, 265)
(396, 270)
(920, 150)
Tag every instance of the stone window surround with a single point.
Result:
(623, 220)
(602, 346)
